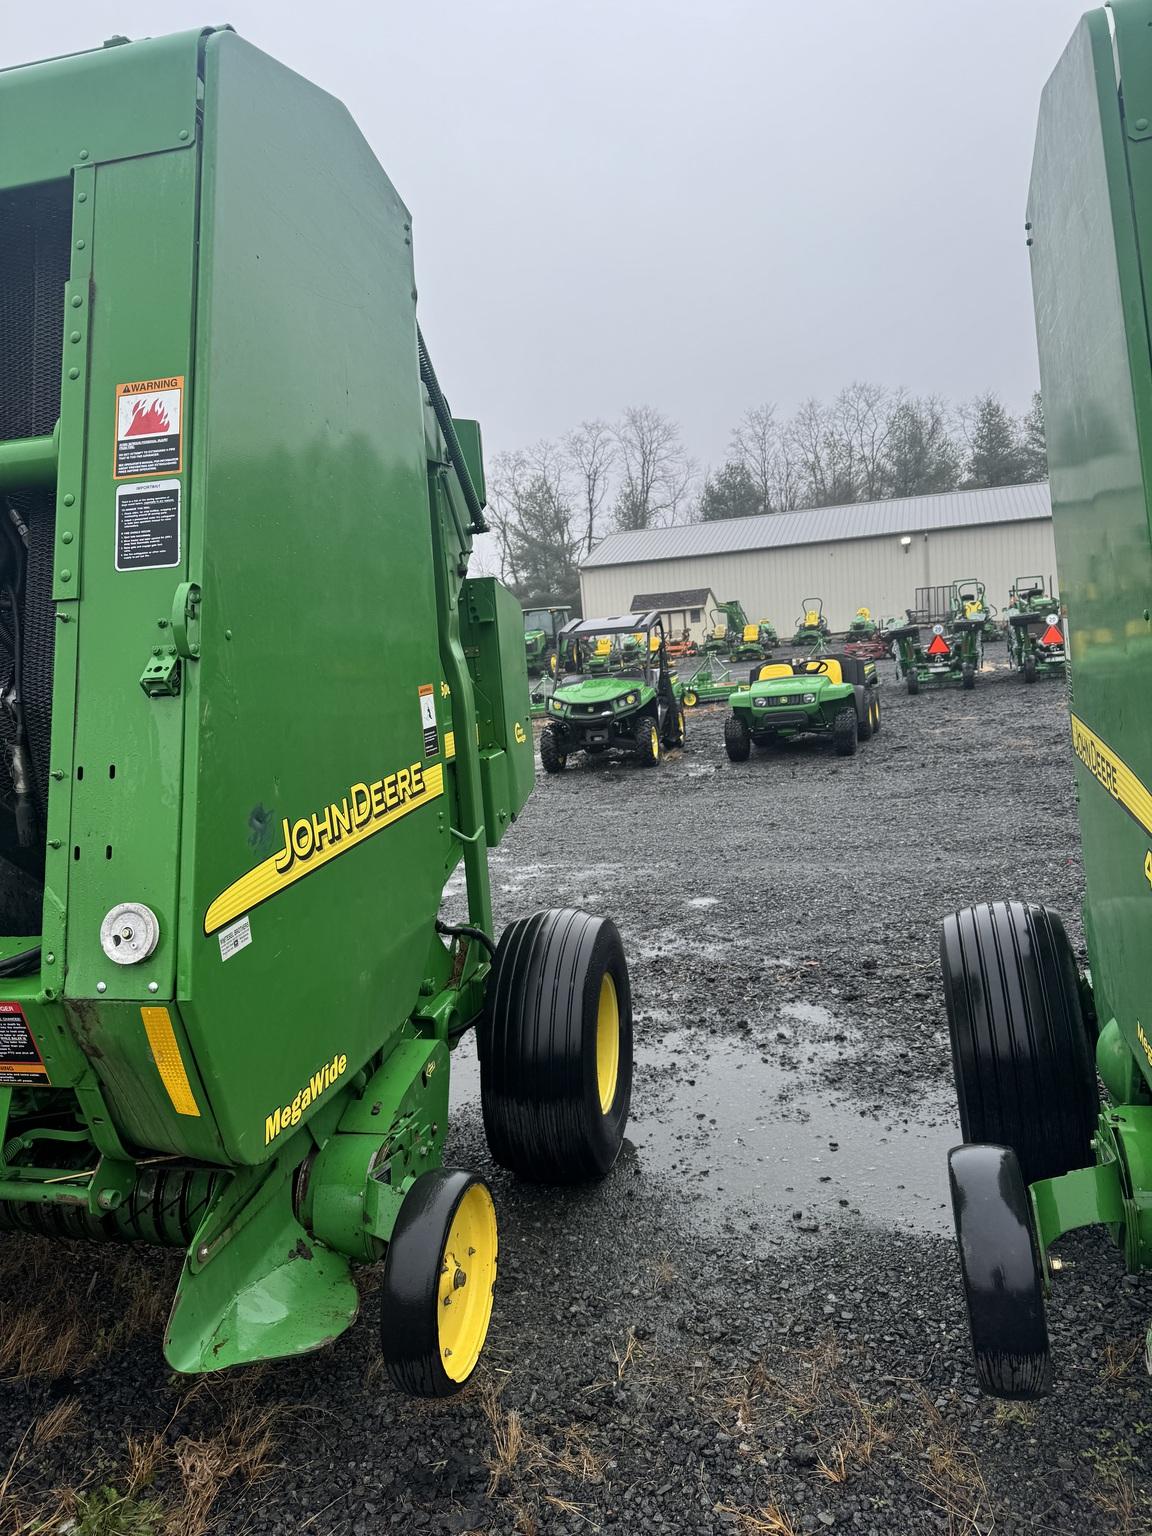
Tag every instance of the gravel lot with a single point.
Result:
(755, 1324)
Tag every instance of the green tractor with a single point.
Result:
(811, 627)
(228, 996)
(837, 696)
(632, 707)
(1031, 1033)
(1035, 639)
(728, 621)
(542, 628)
(954, 653)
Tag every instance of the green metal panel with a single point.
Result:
(1088, 214)
(311, 540)
(71, 111)
(492, 632)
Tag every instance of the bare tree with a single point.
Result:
(591, 451)
(532, 514)
(824, 457)
(861, 418)
(764, 451)
(656, 474)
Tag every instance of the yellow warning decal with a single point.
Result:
(1111, 771)
(449, 744)
(315, 840)
(169, 1062)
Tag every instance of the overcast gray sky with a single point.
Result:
(698, 206)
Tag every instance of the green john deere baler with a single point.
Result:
(1030, 1035)
(253, 715)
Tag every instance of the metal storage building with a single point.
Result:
(872, 553)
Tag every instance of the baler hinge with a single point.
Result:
(161, 677)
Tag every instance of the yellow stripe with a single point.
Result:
(266, 880)
(1113, 773)
(169, 1062)
(449, 743)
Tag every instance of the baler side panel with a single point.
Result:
(1097, 385)
(318, 622)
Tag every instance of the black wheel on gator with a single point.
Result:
(1001, 1272)
(1028, 668)
(1021, 1057)
(737, 739)
(844, 732)
(553, 758)
(913, 683)
(875, 712)
(864, 724)
(646, 734)
(674, 728)
(439, 1271)
(968, 676)
(555, 1047)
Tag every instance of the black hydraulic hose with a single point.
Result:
(463, 931)
(21, 964)
(455, 452)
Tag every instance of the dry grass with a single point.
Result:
(947, 1470)
(525, 1468)
(242, 1449)
(1120, 1358)
(63, 1419)
(769, 1520)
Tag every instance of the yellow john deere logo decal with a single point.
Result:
(287, 1115)
(313, 840)
(519, 733)
(1113, 772)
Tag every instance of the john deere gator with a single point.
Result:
(230, 485)
(1035, 637)
(834, 695)
(1032, 1033)
(632, 707)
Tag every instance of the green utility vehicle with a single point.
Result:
(811, 627)
(954, 653)
(1042, 1155)
(837, 695)
(542, 628)
(228, 997)
(632, 708)
(1035, 639)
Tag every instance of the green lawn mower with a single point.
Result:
(863, 638)
(954, 653)
(1035, 638)
(634, 709)
(835, 695)
(811, 627)
(228, 997)
(755, 642)
(1031, 1036)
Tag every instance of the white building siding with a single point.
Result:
(875, 573)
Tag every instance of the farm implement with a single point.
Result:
(837, 696)
(1032, 1034)
(811, 627)
(228, 998)
(633, 708)
(863, 639)
(711, 683)
(1035, 636)
(948, 652)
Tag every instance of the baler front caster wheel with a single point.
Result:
(1001, 1272)
(436, 1301)
(555, 1047)
(1029, 669)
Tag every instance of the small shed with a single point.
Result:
(686, 613)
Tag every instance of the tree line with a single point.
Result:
(550, 504)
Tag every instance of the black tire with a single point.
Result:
(737, 739)
(552, 1111)
(844, 732)
(875, 712)
(968, 676)
(674, 728)
(1021, 1056)
(415, 1323)
(1028, 667)
(552, 757)
(913, 683)
(646, 735)
(864, 726)
(1001, 1272)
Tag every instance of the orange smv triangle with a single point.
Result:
(1051, 636)
(939, 646)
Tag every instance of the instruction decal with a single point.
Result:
(20, 1061)
(428, 720)
(149, 428)
(148, 525)
(235, 937)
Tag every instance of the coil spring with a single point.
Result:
(166, 1206)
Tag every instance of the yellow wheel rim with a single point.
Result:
(607, 1043)
(689, 699)
(655, 743)
(467, 1275)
